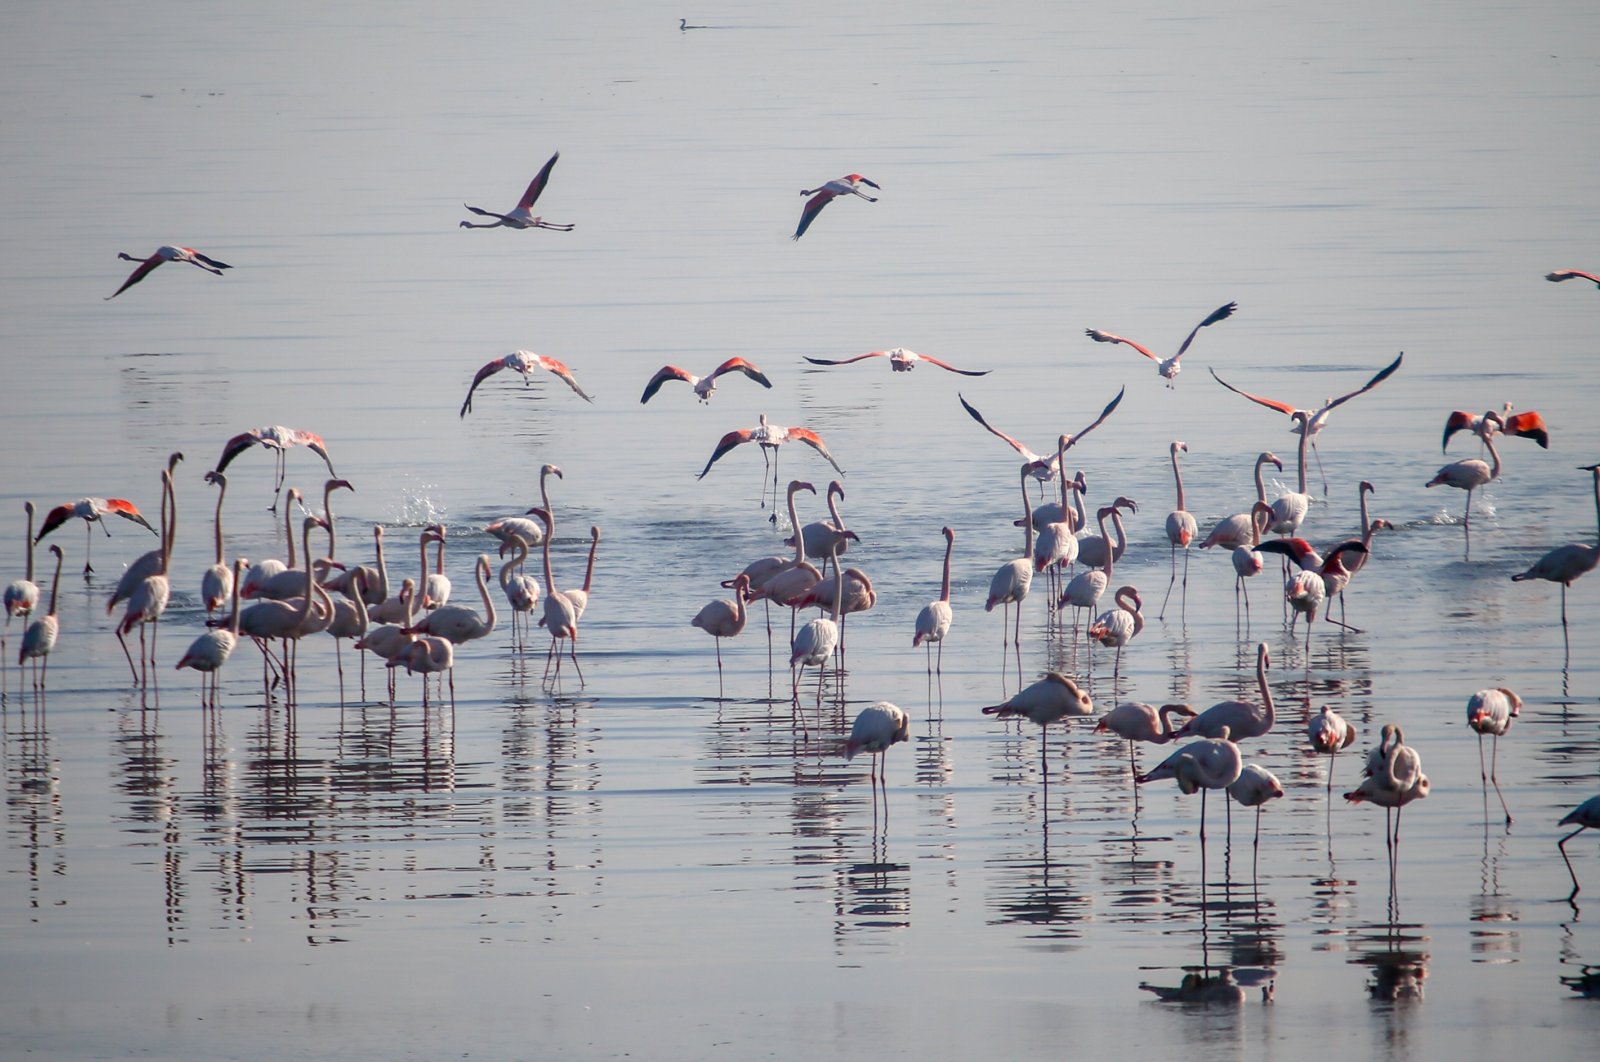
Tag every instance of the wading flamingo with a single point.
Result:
(1247, 561)
(22, 595)
(1138, 721)
(1472, 473)
(704, 386)
(519, 528)
(823, 537)
(1394, 779)
(1491, 712)
(933, 622)
(207, 653)
(724, 619)
(1010, 582)
(1238, 720)
(522, 216)
(1329, 732)
(560, 614)
(40, 636)
(1167, 367)
(1234, 531)
(216, 583)
(1529, 425)
(876, 728)
(900, 360)
(457, 623)
(1052, 698)
(166, 253)
(849, 184)
(814, 644)
(1181, 531)
(1253, 788)
(1209, 763)
(1586, 816)
(524, 362)
(1565, 564)
(1116, 627)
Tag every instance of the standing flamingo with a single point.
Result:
(1092, 548)
(457, 623)
(1247, 560)
(900, 360)
(724, 619)
(787, 580)
(814, 644)
(521, 590)
(704, 386)
(1253, 788)
(1181, 530)
(1472, 473)
(1117, 627)
(1587, 817)
(1209, 763)
(1491, 712)
(933, 622)
(1057, 545)
(1315, 419)
(149, 599)
(521, 216)
(430, 655)
(279, 440)
(1052, 698)
(1565, 564)
(166, 253)
(21, 595)
(524, 362)
(152, 562)
(285, 620)
(1137, 721)
(1234, 531)
(90, 511)
(849, 184)
(1084, 591)
(40, 636)
(1319, 579)
(1042, 468)
(1329, 732)
(1167, 367)
(350, 619)
(1011, 580)
(823, 537)
(876, 728)
(560, 614)
(520, 528)
(207, 653)
(1240, 719)
(216, 584)
(769, 437)
(1394, 779)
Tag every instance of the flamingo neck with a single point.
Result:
(28, 541)
(1261, 486)
(1027, 517)
(950, 545)
(1266, 691)
(482, 572)
(221, 491)
(1178, 476)
(594, 544)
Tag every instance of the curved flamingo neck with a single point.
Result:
(1027, 516)
(1266, 691)
(594, 545)
(1166, 713)
(1494, 469)
(482, 573)
(222, 490)
(1100, 518)
(1122, 533)
(835, 490)
(794, 522)
(950, 545)
(1261, 484)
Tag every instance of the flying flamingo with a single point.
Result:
(1587, 817)
(1167, 367)
(166, 253)
(207, 653)
(522, 216)
(1234, 531)
(1137, 721)
(1010, 582)
(1116, 627)
(1042, 468)
(278, 439)
(849, 184)
(769, 437)
(704, 386)
(22, 595)
(1181, 530)
(1565, 564)
(1529, 425)
(933, 622)
(524, 362)
(90, 510)
(40, 636)
(900, 360)
(1239, 720)
(1572, 274)
(1209, 763)
(876, 728)
(1253, 788)
(1052, 698)
(1472, 473)
(724, 619)
(1491, 712)
(1315, 419)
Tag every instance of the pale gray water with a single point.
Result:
(633, 865)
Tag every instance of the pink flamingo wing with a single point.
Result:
(738, 364)
(847, 361)
(1015, 445)
(128, 511)
(483, 374)
(236, 446)
(1271, 403)
(138, 274)
(565, 373)
(1221, 313)
(536, 186)
(663, 374)
(814, 207)
(728, 442)
(1377, 378)
(946, 365)
(1107, 337)
(1529, 425)
(1111, 407)
(813, 440)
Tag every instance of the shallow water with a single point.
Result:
(653, 862)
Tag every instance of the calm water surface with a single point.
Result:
(658, 864)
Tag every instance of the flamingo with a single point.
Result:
(1209, 763)
(1572, 274)
(216, 584)
(1491, 712)
(849, 184)
(1252, 789)
(148, 600)
(522, 591)
(769, 437)
(560, 613)
(279, 440)
(823, 537)
(1529, 425)
(1329, 732)
(520, 528)
(522, 216)
(1042, 468)
(1354, 562)
(22, 595)
(933, 622)
(1318, 580)
(900, 360)
(1091, 548)
(40, 636)
(287, 620)
(1010, 582)
(1234, 531)
(374, 577)
(857, 595)
(434, 585)
(1118, 626)
(1289, 510)
(1247, 561)
(724, 619)
(1181, 530)
(876, 728)
(350, 619)
(457, 623)
(166, 253)
(1052, 698)
(1138, 721)
(580, 597)
(1057, 544)
(815, 642)
(207, 653)
(429, 655)
(1394, 779)
(388, 640)
(524, 362)
(1086, 587)
(704, 386)
(1315, 419)
(788, 580)
(150, 563)
(1565, 564)
(1472, 473)
(1587, 817)
(1168, 368)
(90, 511)
(1239, 719)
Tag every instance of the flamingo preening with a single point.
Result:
(525, 362)
(1168, 368)
(849, 184)
(1491, 712)
(1328, 732)
(521, 216)
(166, 253)
(876, 728)
(1394, 779)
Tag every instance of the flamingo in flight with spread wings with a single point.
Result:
(901, 360)
(1167, 367)
(1043, 467)
(166, 253)
(278, 439)
(1315, 418)
(704, 386)
(1573, 274)
(849, 184)
(90, 510)
(525, 362)
(769, 437)
(522, 217)
(1529, 425)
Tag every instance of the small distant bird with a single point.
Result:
(683, 24)
(1529, 425)
(1167, 367)
(166, 254)
(849, 184)
(522, 216)
(1491, 712)
(704, 386)
(278, 439)
(1572, 274)
(1587, 817)
(876, 728)
(901, 360)
(90, 510)
(525, 362)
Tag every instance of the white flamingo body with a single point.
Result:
(1240, 719)
(527, 363)
(849, 184)
(457, 623)
(163, 254)
(704, 386)
(933, 622)
(39, 637)
(1168, 368)
(900, 360)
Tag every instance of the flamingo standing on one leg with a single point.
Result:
(521, 216)
(1247, 560)
(814, 644)
(1565, 564)
(1253, 788)
(279, 440)
(704, 386)
(1167, 367)
(876, 728)
(524, 362)
(1137, 721)
(1181, 530)
(166, 253)
(1491, 712)
(933, 622)
(849, 184)
(1329, 732)
(1052, 698)
(1209, 763)
(724, 619)
(1587, 817)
